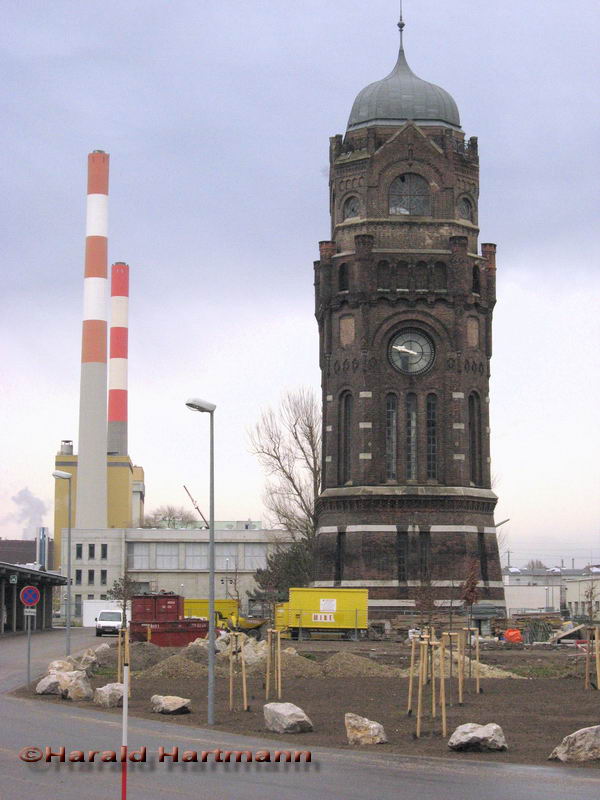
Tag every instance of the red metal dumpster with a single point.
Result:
(174, 633)
(156, 607)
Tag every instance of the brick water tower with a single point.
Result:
(404, 302)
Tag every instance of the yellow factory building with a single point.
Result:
(125, 504)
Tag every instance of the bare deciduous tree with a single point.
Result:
(288, 445)
(170, 517)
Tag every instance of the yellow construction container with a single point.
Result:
(309, 611)
(198, 607)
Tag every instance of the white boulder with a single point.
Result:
(472, 736)
(102, 648)
(74, 685)
(583, 745)
(170, 704)
(60, 665)
(48, 685)
(361, 730)
(109, 696)
(286, 718)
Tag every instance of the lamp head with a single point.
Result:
(200, 405)
(65, 476)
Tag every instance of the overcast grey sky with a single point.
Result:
(217, 118)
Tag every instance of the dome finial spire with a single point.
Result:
(401, 27)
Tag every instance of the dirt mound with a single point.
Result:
(174, 667)
(196, 653)
(347, 665)
(295, 666)
(143, 655)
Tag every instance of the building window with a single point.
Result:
(440, 276)
(402, 544)
(103, 577)
(226, 557)
(167, 555)
(345, 438)
(383, 275)
(476, 280)
(432, 455)
(475, 438)
(351, 208)
(424, 555)
(402, 275)
(90, 597)
(391, 437)
(409, 194)
(138, 555)
(411, 437)
(255, 556)
(78, 577)
(77, 611)
(103, 597)
(421, 277)
(196, 555)
(91, 577)
(104, 551)
(91, 552)
(79, 551)
(343, 278)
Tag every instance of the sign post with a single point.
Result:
(30, 597)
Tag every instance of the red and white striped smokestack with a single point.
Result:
(117, 368)
(91, 470)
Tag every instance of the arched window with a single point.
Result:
(411, 437)
(383, 275)
(475, 439)
(432, 437)
(440, 275)
(402, 272)
(421, 277)
(476, 280)
(343, 278)
(351, 208)
(391, 437)
(465, 209)
(345, 438)
(409, 194)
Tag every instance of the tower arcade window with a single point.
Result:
(475, 439)
(351, 208)
(432, 457)
(383, 275)
(411, 437)
(476, 280)
(345, 438)
(421, 277)
(440, 276)
(402, 273)
(343, 278)
(409, 194)
(391, 437)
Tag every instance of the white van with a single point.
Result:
(109, 621)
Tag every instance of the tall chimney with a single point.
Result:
(117, 368)
(91, 471)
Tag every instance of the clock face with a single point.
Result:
(465, 209)
(411, 352)
(351, 208)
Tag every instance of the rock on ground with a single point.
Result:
(48, 685)
(170, 704)
(286, 718)
(583, 745)
(361, 730)
(109, 696)
(102, 648)
(74, 685)
(472, 736)
(60, 665)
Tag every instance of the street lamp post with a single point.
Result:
(67, 476)
(209, 408)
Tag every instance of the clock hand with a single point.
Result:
(402, 349)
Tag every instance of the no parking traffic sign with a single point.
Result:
(30, 596)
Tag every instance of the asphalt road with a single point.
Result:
(332, 775)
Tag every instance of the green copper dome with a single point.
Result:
(400, 97)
